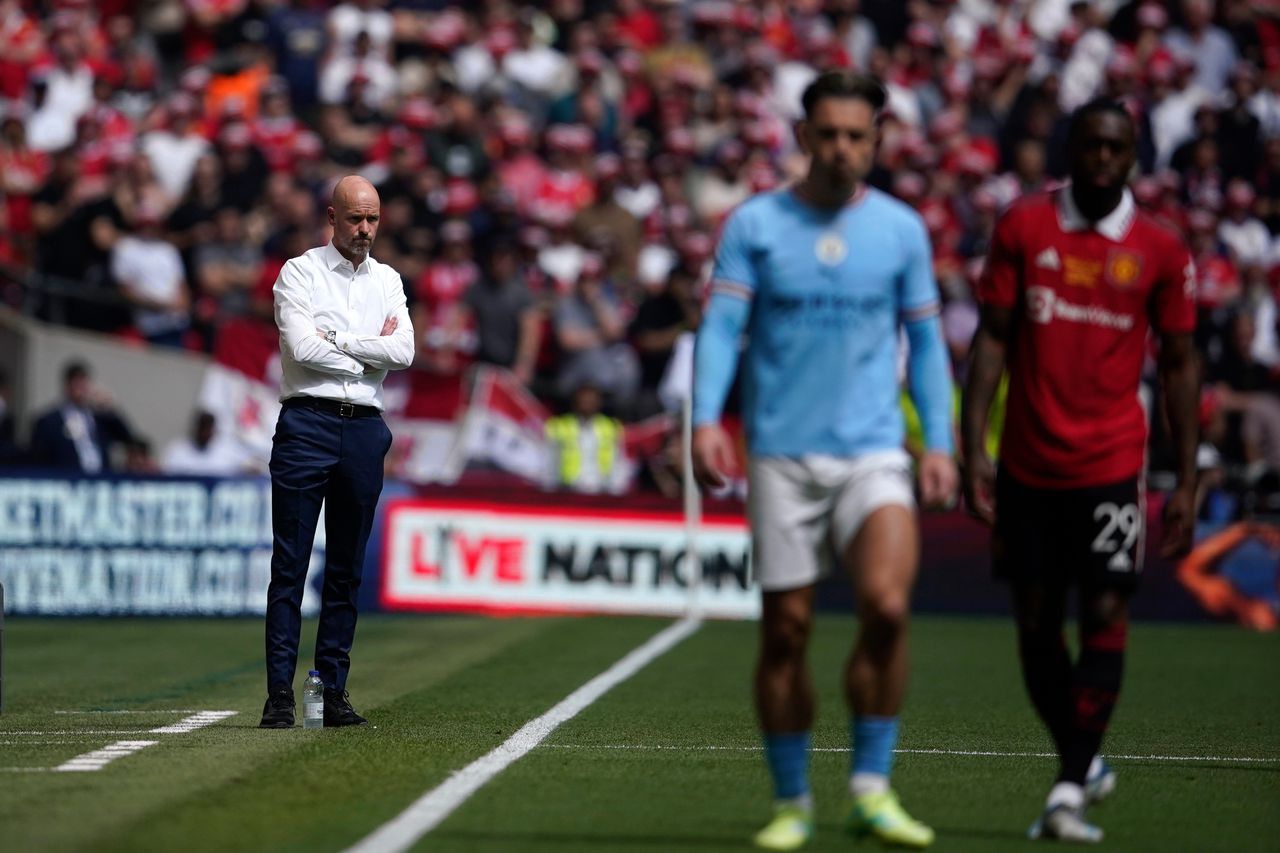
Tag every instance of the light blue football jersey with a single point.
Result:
(822, 296)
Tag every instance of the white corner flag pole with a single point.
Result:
(692, 509)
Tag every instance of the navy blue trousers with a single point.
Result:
(320, 457)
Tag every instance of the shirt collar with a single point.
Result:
(333, 260)
(1114, 226)
(859, 195)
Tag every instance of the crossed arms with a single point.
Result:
(351, 355)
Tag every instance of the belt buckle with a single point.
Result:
(347, 410)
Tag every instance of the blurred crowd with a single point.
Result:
(553, 174)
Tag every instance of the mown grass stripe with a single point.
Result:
(126, 711)
(435, 805)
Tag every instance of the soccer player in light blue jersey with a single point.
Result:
(821, 277)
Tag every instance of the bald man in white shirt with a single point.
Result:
(343, 325)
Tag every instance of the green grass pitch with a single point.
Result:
(667, 761)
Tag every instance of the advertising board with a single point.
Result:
(139, 546)
(443, 554)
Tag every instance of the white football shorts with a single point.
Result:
(804, 511)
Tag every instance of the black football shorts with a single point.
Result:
(1093, 536)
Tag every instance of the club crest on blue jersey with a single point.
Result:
(831, 249)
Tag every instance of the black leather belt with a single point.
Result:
(346, 410)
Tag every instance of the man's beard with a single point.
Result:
(837, 180)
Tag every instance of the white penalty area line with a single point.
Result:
(196, 721)
(427, 812)
(99, 758)
(957, 752)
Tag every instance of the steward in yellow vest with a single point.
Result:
(585, 447)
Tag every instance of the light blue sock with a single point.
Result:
(788, 758)
(872, 741)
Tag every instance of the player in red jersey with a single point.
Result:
(1074, 280)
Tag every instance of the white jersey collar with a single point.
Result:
(1114, 226)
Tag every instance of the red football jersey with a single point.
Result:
(1084, 298)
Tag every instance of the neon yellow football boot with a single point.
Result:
(882, 816)
(790, 829)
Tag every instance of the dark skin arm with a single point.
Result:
(987, 360)
(1179, 376)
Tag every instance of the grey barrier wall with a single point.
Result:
(156, 389)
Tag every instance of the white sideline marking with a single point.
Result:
(100, 758)
(24, 769)
(196, 721)
(962, 752)
(426, 813)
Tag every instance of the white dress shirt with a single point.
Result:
(320, 290)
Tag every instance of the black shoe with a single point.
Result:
(338, 710)
(278, 712)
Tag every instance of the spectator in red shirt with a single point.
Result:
(113, 124)
(23, 172)
(438, 313)
(275, 128)
(638, 26)
(566, 185)
(23, 44)
(1218, 280)
(520, 170)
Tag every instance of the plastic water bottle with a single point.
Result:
(313, 701)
